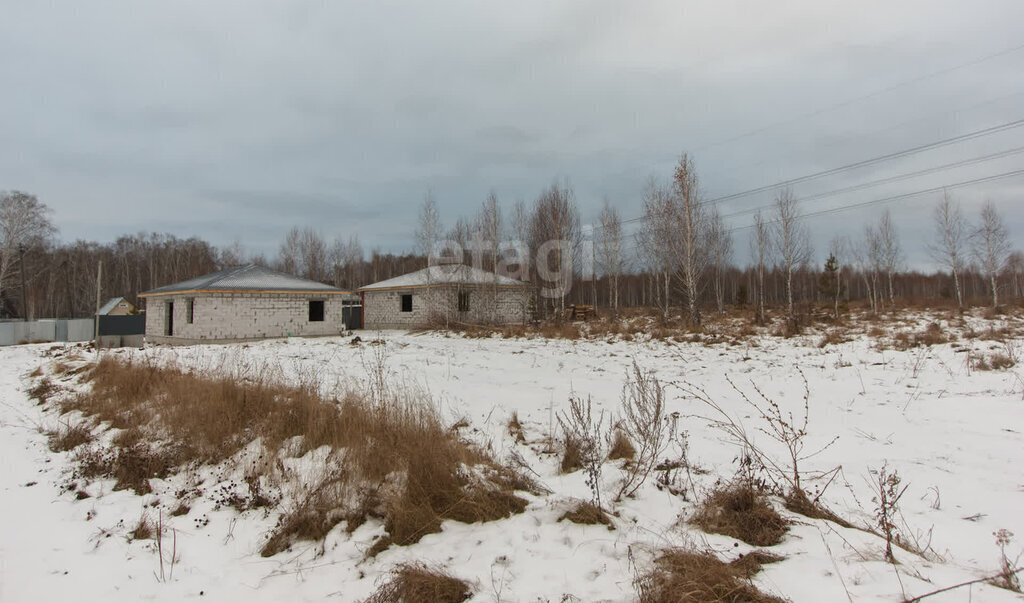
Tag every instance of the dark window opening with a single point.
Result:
(316, 310)
(407, 302)
(463, 301)
(169, 320)
(191, 310)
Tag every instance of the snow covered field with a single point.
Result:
(954, 434)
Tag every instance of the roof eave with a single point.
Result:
(481, 285)
(295, 291)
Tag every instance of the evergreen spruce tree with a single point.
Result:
(829, 285)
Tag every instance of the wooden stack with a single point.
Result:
(580, 312)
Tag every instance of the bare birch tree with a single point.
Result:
(289, 256)
(555, 240)
(520, 221)
(892, 254)
(461, 237)
(428, 231)
(792, 242)
(611, 252)
(314, 254)
(874, 263)
(489, 227)
(346, 260)
(719, 245)
(761, 247)
(305, 253)
(656, 241)
(428, 242)
(24, 223)
(690, 240)
(948, 249)
(1015, 272)
(991, 247)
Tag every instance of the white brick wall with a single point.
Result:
(234, 316)
(383, 309)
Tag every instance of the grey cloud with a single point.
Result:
(262, 116)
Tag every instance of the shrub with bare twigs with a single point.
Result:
(1008, 569)
(644, 422)
(583, 436)
(781, 426)
(887, 498)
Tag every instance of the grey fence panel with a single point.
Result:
(40, 330)
(17, 332)
(7, 333)
(80, 329)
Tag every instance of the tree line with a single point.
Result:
(682, 257)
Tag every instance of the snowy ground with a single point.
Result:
(954, 434)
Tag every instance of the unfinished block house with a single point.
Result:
(242, 303)
(446, 294)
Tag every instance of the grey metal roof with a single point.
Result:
(246, 278)
(110, 305)
(446, 274)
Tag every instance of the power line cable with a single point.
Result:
(892, 127)
(889, 199)
(858, 164)
(873, 160)
(864, 97)
(891, 179)
(900, 197)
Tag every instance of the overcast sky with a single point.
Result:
(235, 120)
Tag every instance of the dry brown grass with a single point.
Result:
(877, 333)
(515, 428)
(753, 562)
(682, 576)
(741, 511)
(559, 330)
(69, 437)
(143, 530)
(416, 582)
(43, 390)
(511, 331)
(798, 502)
(834, 336)
(587, 513)
(131, 467)
(399, 461)
(621, 447)
(997, 361)
(933, 334)
(572, 455)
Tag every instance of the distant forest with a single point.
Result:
(682, 258)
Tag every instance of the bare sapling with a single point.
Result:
(888, 491)
(645, 423)
(584, 431)
(668, 469)
(779, 425)
(375, 363)
(1008, 568)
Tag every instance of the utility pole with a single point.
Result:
(24, 294)
(96, 325)
(67, 280)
